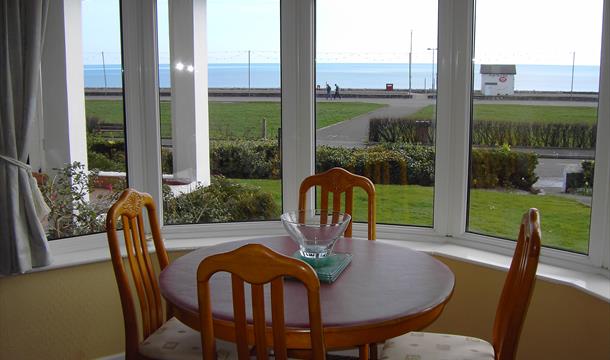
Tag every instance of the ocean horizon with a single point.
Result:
(360, 76)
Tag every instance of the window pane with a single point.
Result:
(84, 138)
(220, 111)
(534, 118)
(376, 101)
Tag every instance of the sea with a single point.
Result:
(362, 76)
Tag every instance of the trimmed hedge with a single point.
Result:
(401, 130)
(489, 133)
(492, 168)
(387, 163)
(382, 164)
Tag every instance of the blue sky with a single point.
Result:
(519, 31)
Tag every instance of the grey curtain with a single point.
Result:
(23, 243)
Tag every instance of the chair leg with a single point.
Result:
(372, 351)
(363, 352)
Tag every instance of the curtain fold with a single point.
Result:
(23, 242)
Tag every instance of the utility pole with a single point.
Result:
(248, 72)
(104, 69)
(410, 59)
(433, 77)
(572, 83)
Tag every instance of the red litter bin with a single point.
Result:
(389, 87)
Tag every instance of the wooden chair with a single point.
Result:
(338, 181)
(162, 339)
(510, 314)
(258, 265)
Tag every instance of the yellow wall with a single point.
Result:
(75, 313)
(71, 313)
(561, 323)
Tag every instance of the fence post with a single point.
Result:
(264, 128)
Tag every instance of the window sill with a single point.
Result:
(94, 248)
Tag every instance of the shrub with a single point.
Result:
(167, 161)
(383, 164)
(105, 155)
(503, 168)
(222, 201)
(101, 162)
(74, 211)
(588, 167)
(245, 159)
(401, 130)
(489, 133)
(420, 162)
(581, 182)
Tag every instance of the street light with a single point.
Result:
(410, 59)
(572, 82)
(433, 77)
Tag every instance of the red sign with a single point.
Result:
(502, 78)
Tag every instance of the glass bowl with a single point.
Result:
(315, 231)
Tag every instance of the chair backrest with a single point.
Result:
(518, 288)
(338, 181)
(258, 265)
(129, 209)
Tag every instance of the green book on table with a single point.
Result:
(328, 268)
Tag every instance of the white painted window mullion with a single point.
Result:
(140, 66)
(453, 115)
(297, 51)
(599, 246)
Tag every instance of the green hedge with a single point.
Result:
(489, 133)
(382, 164)
(401, 130)
(388, 163)
(503, 168)
(244, 159)
(222, 201)
(105, 155)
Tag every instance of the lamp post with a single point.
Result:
(433, 77)
(410, 53)
(104, 69)
(572, 82)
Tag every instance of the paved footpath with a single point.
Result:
(355, 132)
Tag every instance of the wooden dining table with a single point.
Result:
(385, 291)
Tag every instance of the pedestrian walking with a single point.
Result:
(327, 91)
(337, 94)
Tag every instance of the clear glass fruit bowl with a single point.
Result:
(315, 230)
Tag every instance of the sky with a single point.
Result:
(368, 31)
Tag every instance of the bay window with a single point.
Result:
(174, 106)
(546, 132)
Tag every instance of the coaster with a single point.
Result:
(328, 268)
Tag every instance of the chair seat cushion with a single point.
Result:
(176, 341)
(423, 346)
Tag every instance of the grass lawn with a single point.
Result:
(237, 119)
(564, 222)
(523, 113)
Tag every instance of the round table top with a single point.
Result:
(382, 283)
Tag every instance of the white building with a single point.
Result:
(498, 79)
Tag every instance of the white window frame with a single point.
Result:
(456, 24)
(453, 118)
